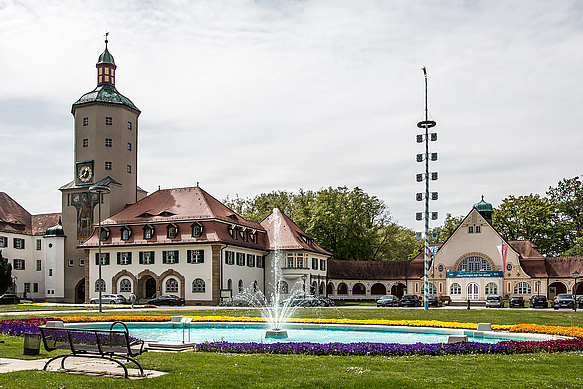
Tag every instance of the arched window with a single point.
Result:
(196, 230)
(98, 283)
(172, 285)
(492, 288)
(283, 287)
(432, 289)
(241, 286)
(455, 288)
(198, 285)
(125, 285)
(522, 288)
(474, 263)
(172, 231)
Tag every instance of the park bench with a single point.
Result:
(111, 344)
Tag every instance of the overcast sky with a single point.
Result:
(248, 97)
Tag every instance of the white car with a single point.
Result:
(107, 299)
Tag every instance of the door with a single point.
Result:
(473, 291)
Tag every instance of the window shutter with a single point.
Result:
(141, 258)
(188, 256)
(23, 263)
(164, 253)
(107, 259)
(96, 259)
(176, 256)
(118, 258)
(130, 258)
(201, 256)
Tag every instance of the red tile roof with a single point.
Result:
(40, 223)
(13, 218)
(564, 266)
(368, 270)
(526, 249)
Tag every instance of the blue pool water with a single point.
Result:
(233, 332)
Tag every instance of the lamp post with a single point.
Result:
(538, 288)
(99, 189)
(304, 277)
(575, 275)
(138, 290)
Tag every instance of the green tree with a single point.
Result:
(531, 218)
(568, 199)
(5, 274)
(450, 224)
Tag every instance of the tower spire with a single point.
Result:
(106, 66)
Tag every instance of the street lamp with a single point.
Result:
(138, 289)
(538, 288)
(99, 189)
(575, 275)
(304, 277)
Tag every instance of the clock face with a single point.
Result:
(85, 173)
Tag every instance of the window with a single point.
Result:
(27, 287)
(104, 234)
(195, 256)
(315, 263)
(455, 288)
(172, 286)
(39, 244)
(126, 232)
(478, 229)
(233, 232)
(282, 287)
(124, 258)
(243, 234)
(322, 264)
(129, 125)
(170, 257)
(492, 288)
(85, 142)
(18, 264)
(290, 261)
(129, 169)
(240, 259)
(125, 285)
(241, 287)
(198, 285)
(104, 259)
(85, 121)
(196, 230)
(38, 265)
(300, 261)
(108, 121)
(470, 230)
(129, 146)
(148, 232)
(229, 258)
(230, 285)
(172, 231)
(259, 261)
(474, 263)
(108, 142)
(107, 165)
(50, 272)
(71, 262)
(81, 262)
(18, 243)
(253, 236)
(3, 241)
(522, 288)
(100, 285)
(146, 258)
(432, 289)
(250, 260)
(35, 287)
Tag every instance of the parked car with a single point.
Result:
(517, 301)
(434, 301)
(494, 301)
(446, 299)
(410, 300)
(580, 302)
(539, 301)
(107, 299)
(564, 300)
(388, 300)
(9, 299)
(122, 299)
(167, 299)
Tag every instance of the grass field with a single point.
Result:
(207, 370)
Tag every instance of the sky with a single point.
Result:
(248, 97)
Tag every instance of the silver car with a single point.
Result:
(107, 299)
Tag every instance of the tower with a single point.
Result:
(106, 153)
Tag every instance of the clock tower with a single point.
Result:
(106, 145)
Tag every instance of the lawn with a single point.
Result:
(208, 370)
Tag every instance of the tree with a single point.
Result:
(531, 218)
(568, 199)
(450, 224)
(5, 274)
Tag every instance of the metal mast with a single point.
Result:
(426, 124)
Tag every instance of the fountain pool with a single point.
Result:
(316, 333)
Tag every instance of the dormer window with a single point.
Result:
(196, 230)
(244, 234)
(233, 232)
(104, 234)
(148, 232)
(126, 232)
(253, 236)
(172, 231)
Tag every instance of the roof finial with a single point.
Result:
(106, 35)
(482, 197)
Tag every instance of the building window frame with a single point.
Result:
(198, 285)
(85, 121)
(108, 165)
(108, 121)
(125, 285)
(18, 264)
(171, 285)
(170, 257)
(195, 256)
(146, 257)
(108, 142)
(18, 243)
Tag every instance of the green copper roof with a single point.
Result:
(105, 93)
(106, 57)
(483, 206)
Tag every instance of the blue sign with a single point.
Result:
(463, 274)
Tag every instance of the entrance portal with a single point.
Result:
(150, 288)
(80, 292)
(473, 292)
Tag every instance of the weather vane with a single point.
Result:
(106, 35)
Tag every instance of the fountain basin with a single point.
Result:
(277, 334)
